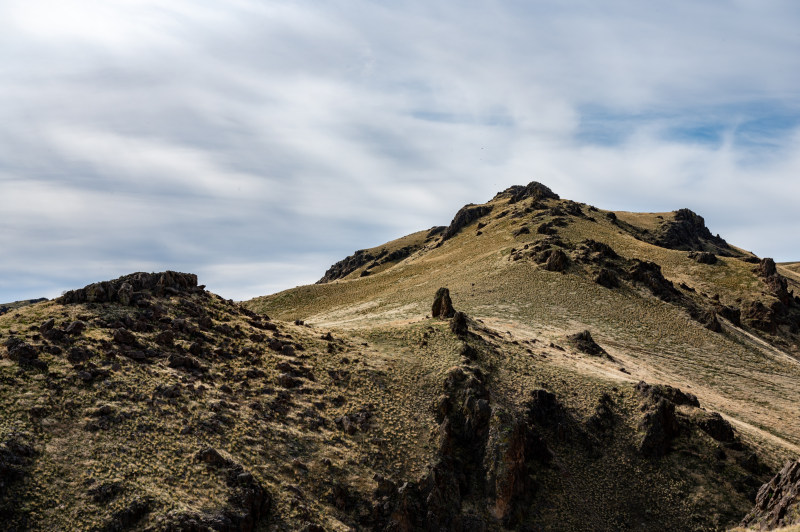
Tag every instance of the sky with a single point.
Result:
(255, 143)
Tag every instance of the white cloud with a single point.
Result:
(234, 138)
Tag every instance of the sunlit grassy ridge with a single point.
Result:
(654, 340)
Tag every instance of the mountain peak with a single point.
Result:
(534, 189)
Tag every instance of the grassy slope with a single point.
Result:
(753, 383)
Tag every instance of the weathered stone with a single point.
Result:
(659, 426)
(703, 257)
(465, 216)
(76, 327)
(778, 501)
(459, 325)
(124, 337)
(146, 283)
(557, 261)
(584, 343)
(125, 294)
(607, 278)
(717, 427)
(442, 305)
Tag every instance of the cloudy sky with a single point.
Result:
(256, 142)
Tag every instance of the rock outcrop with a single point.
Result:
(131, 288)
(778, 501)
(348, 265)
(583, 342)
(364, 257)
(688, 232)
(534, 190)
(465, 216)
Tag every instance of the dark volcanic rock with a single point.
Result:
(362, 257)
(761, 317)
(524, 230)
(557, 261)
(459, 325)
(19, 350)
(717, 427)
(778, 501)
(133, 288)
(442, 305)
(436, 502)
(584, 343)
(596, 252)
(607, 278)
(511, 449)
(534, 190)
(649, 274)
(654, 392)
(688, 232)
(465, 216)
(776, 282)
(659, 427)
(703, 257)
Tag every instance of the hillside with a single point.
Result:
(582, 370)
(8, 307)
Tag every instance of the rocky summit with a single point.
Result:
(537, 364)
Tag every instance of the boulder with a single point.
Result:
(459, 325)
(584, 343)
(557, 261)
(465, 216)
(442, 305)
(703, 257)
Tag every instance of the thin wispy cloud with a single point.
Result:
(256, 142)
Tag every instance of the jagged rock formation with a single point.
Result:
(584, 343)
(348, 265)
(533, 190)
(778, 501)
(781, 314)
(688, 232)
(130, 289)
(373, 259)
(465, 216)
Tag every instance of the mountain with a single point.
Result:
(538, 364)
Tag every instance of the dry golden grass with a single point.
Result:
(753, 383)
